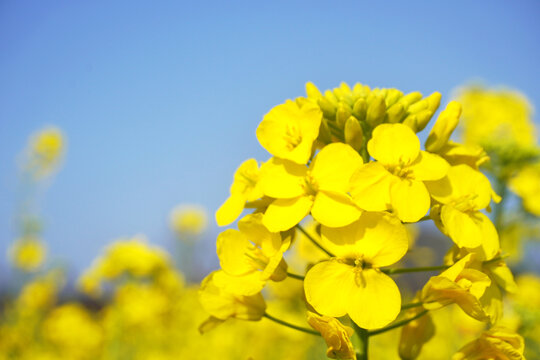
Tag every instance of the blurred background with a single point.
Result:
(159, 101)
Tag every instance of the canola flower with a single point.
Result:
(28, 253)
(44, 152)
(351, 162)
(188, 219)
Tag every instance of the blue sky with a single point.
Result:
(160, 100)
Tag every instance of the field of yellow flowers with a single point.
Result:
(354, 240)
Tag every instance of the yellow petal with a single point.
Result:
(282, 179)
(283, 214)
(429, 167)
(246, 180)
(336, 335)
(378, 238)
(394, 144)
(328, 285)
(244, 285)
(230, 210)
(374, 299)
(334, 209)
(410, 199)
(251, 225)
(462, 228)
(444, 126)
(232, 247)
(333, 166)
(370, 187)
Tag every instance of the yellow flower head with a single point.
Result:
(459, 284)
(188, 219)
(351, 283)
(224, 305)
(28, 253)
(336, 335)
(289, 130)
(396, 180)
(250, 257)
(245, 187)
(320, 189)
(526, 184)
(496, 118)
(463, 193)
(496, 343)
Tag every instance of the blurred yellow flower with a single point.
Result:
(45, 151)
(526, 184)
(28, 253)
(496, 343)
(188, 219)
(496, 118)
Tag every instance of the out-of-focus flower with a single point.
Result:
(415, 334)
(526, 184)
(497, 343)
(336, 335)
(73, 330)
(188, 219)
(496, 118)
(45, 151)
(40, 294)
(28, 253)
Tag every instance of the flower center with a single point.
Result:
(292, 136)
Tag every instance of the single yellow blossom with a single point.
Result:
(497, 343)
(188, 219)
(463, 193)
(415, 334)
(250, 257)
(336, 335)
(396, 180)
(45, 151)
(28, 253)
(320, 189)
(245, 187)
(289, 130)
(351, 283)
(459, 284)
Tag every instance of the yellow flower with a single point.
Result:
(320, 189)
(73, 330)
(28, 253)
(526, 184)
(496, 118)
(351, 283)
(395, 181)
(289, 130)
(45, 151)
(496, 343)
(41, 293)
(245, 187)
(188, 219)
(224, 305)
(463, 193)
(336, 335)
(250, 257)
(459, 284)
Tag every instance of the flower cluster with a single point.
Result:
(351, 161)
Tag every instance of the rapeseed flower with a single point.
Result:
(336, 335)
(351, 283)
(396, 180)
(28, 253)
(496, 343)
(188, 219)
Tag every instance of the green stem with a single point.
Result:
(417, 269)
(498, 211)
(295, 276)
(314, 241)
(398, 324)
(411, 305)
(363, 337)
(292, 326)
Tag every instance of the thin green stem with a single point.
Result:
(498, 211)
(397, 324)
(292, 326)
(363, 337)
(314, 241)
(295, 276)
(416, 269)
(411, 305)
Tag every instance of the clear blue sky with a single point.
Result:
(160, 99)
